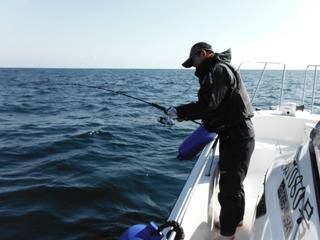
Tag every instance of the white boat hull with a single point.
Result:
(277, 139)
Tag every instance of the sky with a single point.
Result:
(155, 34)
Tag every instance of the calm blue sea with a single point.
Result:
(83, 163)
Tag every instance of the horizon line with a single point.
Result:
(139, 68)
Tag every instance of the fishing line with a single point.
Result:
(162, 108)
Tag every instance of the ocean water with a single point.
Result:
(83, 163)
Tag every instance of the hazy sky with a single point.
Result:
(155, 34)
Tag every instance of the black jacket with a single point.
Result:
(223, 102)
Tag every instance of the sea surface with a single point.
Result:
(85, 163)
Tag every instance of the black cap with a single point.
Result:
(194, 50)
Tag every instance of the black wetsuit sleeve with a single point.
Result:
(213, 89)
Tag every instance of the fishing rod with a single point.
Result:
(161, 120)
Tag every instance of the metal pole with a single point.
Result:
(304, 84)
(314, 87)
(282, 84)
(254, 94)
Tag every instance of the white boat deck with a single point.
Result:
(266, 151)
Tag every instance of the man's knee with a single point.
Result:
(231, 198)
(231, 182)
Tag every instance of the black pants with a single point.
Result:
(235, 153)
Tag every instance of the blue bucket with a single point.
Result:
(142, 232)
(192, 145)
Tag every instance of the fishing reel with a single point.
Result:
(166, 120)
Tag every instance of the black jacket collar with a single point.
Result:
(209, 63)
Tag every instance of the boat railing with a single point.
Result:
(206, 158)
(262, 75)
(314, 84)
(283, 79)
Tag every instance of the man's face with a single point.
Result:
(198, 58)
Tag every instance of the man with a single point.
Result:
(224, 107)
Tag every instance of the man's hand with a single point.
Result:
(172, 112)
